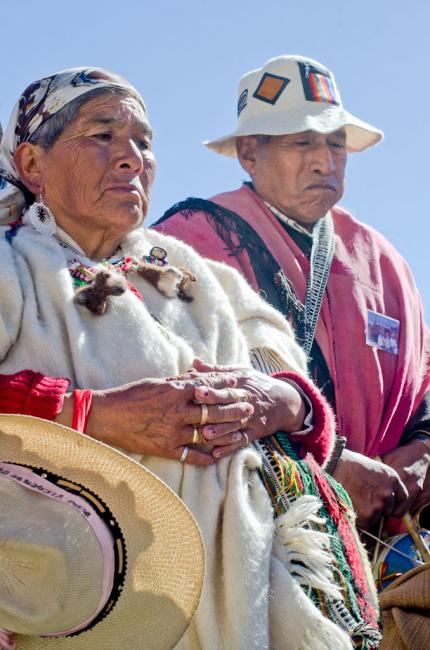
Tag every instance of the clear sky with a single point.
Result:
(186, 58)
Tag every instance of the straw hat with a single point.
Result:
(291, 94)
(405, 606)
(90, 537)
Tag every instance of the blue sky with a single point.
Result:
(187, 57)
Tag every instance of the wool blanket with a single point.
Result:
(250, 598)
(376, 392)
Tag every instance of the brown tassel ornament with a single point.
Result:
(95, 295)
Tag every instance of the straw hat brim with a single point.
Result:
(411, 589)
(322, 118)
(164, 547)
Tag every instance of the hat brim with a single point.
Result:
(164, 547)
(322, 118)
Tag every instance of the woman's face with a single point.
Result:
(99, 173)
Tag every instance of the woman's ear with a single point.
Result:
(28, 159)
(246, 147)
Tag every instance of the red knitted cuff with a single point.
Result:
(320, 440)
(31, 393)
(81, 409)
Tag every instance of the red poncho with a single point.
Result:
(376, 392)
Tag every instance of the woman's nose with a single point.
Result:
(130, 157)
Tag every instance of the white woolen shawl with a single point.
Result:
(250, 601)
(42, 327)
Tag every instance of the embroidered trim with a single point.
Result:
(322, 251)
(289, 222)
(320, 263)
(118, 540)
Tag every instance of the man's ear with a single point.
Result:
(28, 159)
(246, 147)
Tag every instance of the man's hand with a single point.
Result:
(412, 462)
(376, 489)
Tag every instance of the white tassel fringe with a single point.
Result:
(306, 552)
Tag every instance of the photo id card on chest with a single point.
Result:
(382, 332)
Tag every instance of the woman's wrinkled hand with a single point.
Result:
(277, 406)
(158, 416)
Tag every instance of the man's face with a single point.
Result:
(300, 174)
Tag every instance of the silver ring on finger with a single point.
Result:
(245, 435)
(184, 454)
(205, 414)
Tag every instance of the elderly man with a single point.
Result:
(336, 279)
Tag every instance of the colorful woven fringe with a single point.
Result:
(357, 612)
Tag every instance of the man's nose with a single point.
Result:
(322, 160)
(129, 157)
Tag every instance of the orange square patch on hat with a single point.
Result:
(270, 88)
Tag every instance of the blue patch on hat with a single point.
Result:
(242, 101)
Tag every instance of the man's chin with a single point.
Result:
(317, 210)
(309, 219)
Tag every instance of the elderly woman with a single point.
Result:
(123, 313)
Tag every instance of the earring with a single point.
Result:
(42, 218)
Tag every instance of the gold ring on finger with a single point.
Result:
(245, 435)
(205, 414)
(196, 436)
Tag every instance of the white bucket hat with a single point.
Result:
(92, 545)
(291, 94)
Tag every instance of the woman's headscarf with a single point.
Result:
(40, 101)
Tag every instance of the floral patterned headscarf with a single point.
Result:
(39, 101)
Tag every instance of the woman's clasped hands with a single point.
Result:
(198, 418)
